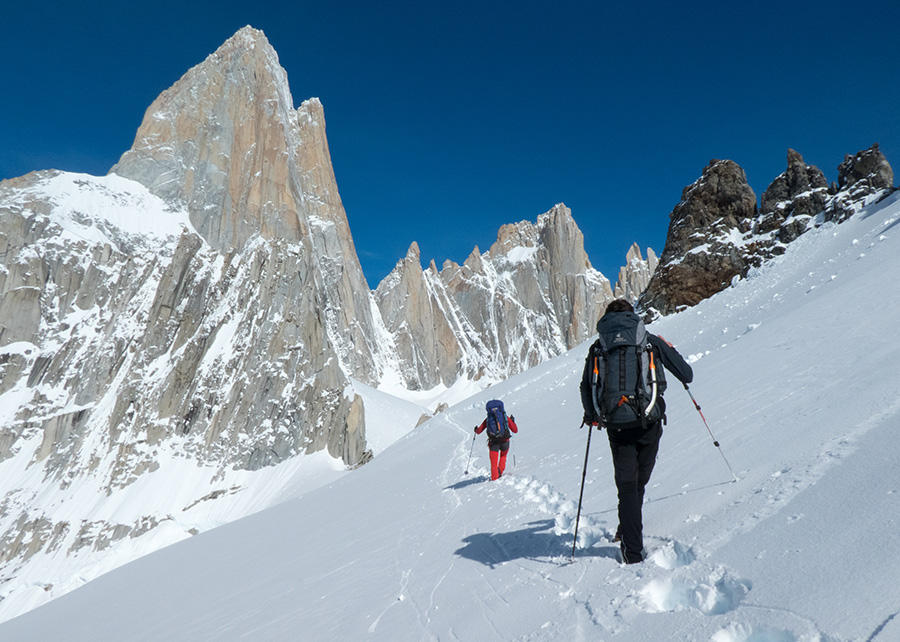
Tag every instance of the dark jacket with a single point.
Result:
(664, 353)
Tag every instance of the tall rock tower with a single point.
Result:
(193, 315)
(226, 143)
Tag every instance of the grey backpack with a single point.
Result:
(626, 380)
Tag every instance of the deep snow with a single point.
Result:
(796, 370)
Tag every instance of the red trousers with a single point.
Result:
(498, 459)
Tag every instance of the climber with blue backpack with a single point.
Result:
(499, 428)
(621, 390)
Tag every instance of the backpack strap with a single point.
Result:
(598, 350)
(639, 387)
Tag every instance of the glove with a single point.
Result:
(512, 418)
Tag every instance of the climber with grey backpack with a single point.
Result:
(622, 390)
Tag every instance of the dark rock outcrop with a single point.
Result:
(703, 251)
(793, 199)
(716, 233)
(862, 179)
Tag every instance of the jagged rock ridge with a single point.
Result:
(532, 296)
(792, 200)
(716, 233)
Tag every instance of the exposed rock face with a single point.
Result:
(213, 318)
(635, 275)
(793, 199)
(532, 296)
(219, 141)
(425, 342)
(716, 235)
(862, 179)
(226, 143)
(151, 341)
(702, 253)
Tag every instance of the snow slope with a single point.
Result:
(796, 370)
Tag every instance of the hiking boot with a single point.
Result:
(630, 558)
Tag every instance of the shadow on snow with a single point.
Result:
(468, 482)
(535, 542)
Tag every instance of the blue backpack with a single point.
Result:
(497, 426)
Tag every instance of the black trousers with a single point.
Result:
(634, 453)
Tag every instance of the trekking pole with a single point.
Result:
(715, 441)
(581, 494)
(471, 450)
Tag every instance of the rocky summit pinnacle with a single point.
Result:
(220, 141)
(635, 274)
(698, 257)
(226, 143)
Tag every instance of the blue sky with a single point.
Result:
(447, 120)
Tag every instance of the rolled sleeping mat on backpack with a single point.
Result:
(653, 386)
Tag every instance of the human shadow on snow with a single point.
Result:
(468, 482)
(534, 542)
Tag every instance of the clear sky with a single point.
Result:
(446, 120)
